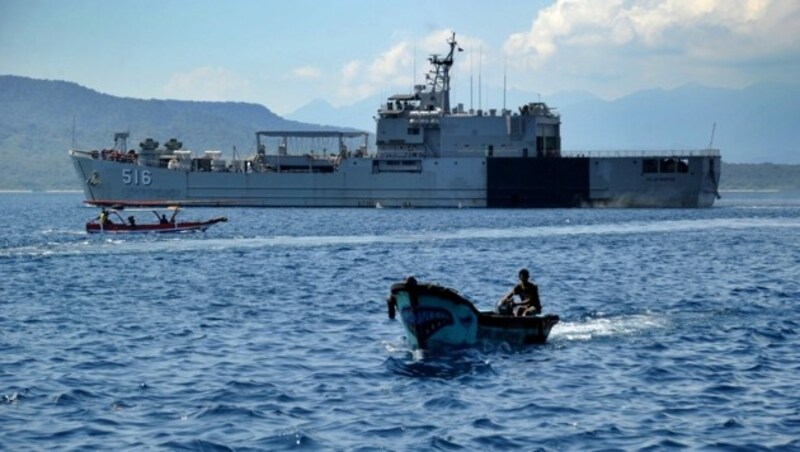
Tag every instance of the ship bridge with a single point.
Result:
(424, 124)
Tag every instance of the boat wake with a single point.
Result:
(134, 246)
(628, 228)
(606, 327)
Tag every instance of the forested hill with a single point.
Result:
(37, 117)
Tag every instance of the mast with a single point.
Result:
(480, 69)
(711, 142)
(470, 80)
(414, 67)
(440, 74)
(505, 75)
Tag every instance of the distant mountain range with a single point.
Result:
(41, 119)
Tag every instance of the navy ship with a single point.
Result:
(427, 153)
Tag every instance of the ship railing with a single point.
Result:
(677, 153)
(400, 154)
(109, 154)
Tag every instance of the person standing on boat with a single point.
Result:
(528, 294)
(104, 220)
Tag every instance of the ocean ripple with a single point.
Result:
(679, 330)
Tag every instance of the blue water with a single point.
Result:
(680, 328)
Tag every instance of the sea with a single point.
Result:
(680, 328)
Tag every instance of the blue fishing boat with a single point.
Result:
(436, 317)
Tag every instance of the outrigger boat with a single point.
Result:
(105, 224)
(436, 317)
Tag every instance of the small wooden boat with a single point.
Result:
(104, 224)
(436, 317)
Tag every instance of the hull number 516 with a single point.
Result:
(136, 177)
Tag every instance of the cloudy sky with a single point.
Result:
(286, 54)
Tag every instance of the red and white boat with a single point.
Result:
(111, 222)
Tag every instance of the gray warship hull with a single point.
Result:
(429, 154)
(505, 182)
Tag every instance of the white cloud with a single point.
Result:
(307, 72)
(350, 71)
(209, 84)
(395, 67)
(361, 80)
(697, 28)
(390, 63)
(652, 43)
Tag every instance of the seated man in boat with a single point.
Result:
(528, 294)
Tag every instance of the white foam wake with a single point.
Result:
(605, 327)
(199, 242)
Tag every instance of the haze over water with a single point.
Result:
(679, 329)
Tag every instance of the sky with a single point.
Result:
(286, 54)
